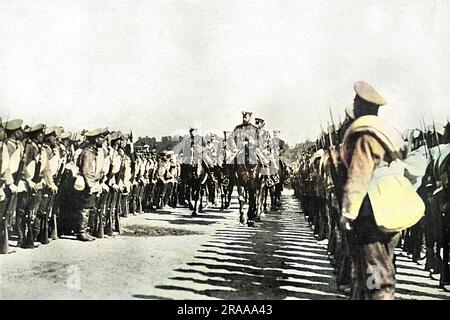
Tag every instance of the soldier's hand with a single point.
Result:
(32, 185)
(105, 187)
(2, 195)
(115, 186)
(39, 186)
(346, 223)
(13, 188)
(96, 189)
(54, 188)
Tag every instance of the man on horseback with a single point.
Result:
(243, 141)
(194, 168)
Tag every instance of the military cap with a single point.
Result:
(94, 133)
(246, 112)
(116, 135)
(13, 124)
(50, 130)
(330, 128)
(59, 130)
(192, 129)
(259, 120)
(35, 128)
(440, 128)
(65, 135)
(350, 113)
(77, 136)
(369, 94)
(104, 131)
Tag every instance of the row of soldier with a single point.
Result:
(320, 182)
(57, 183)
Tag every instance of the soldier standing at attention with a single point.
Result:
(87, 166)
(372, 248)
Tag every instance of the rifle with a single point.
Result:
(113, 213)
(427, 148)
(54, 231)
(49, 212)
(1, 145)
(436, 135)
(101, 211)
(43, 233)
(338, 187)
(4, 246)
(111, 201)
(11, 206)
(117, 210)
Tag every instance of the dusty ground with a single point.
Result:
(207, 257)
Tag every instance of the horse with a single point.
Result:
(195, 176)
(279, 180)
(247, 175)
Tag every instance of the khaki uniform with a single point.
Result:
(373, 272)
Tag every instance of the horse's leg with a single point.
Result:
(258, 203)
(241, 203)
(279, 188)
(202, 191)
(251, 212)
(272, 197)
(222, 196)
(266, 191)
(168, 194)
(228, 192)
(175, 195)
(195, 198)
(189, 194)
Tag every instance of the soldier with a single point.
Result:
(50, 159)
(190, 149)
(112, 179)
(87, 201)
(369, 143)
(31, 196)
(12, 175)
(125, 176)
(4, 163)
(265, 146)
(243, 141)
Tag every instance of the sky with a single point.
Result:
(159, 67)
